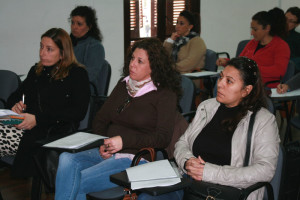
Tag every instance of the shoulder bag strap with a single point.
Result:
(250, 129)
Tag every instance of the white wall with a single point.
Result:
(225, 23)
(23, 22)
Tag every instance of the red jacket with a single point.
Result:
(272, 60)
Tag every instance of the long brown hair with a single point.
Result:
(63, 41)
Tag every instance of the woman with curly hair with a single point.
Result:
(267, 48)
(86, 39)
(140, 112)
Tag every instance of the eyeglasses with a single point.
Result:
(124, 105)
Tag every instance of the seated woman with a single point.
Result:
(213, 147)
(187, 48)
(267, 48)
(56, 99)
(290, 85)
(140, 112)
(86, 39)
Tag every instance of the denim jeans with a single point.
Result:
(85, 172)
(176, 195)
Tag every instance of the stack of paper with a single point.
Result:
(75, 141)
(152, 174)
(10, 117)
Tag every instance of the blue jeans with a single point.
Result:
(177, 195)
(85, 172)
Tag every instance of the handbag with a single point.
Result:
(200, 190)
(46, 159)
(129, 194)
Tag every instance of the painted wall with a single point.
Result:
(23, 22)
(224, 24)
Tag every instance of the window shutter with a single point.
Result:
(134, 18)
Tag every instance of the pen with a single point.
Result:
(23, 100)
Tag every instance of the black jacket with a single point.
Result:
(55, 103)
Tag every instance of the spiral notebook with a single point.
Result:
(9, 117)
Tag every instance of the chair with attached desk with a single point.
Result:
(240, 47)
(102, 83)
(208, 82)
(9, 82)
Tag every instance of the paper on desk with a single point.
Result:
(287, 94)
(200, 74)
(152, 174)
(75, 141)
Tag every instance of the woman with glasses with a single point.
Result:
(140, 112)
(267, 48)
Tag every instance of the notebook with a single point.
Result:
(9, 117)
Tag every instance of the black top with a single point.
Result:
(213, 143)
(259, 46)
(55, 103)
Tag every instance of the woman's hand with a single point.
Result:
(19, 107)
(195, 168)
(282, 88)
(221, 62)
(174, 36)
(113, 144)
(28, 123)
(104, 153)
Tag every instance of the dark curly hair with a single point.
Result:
(275, 18)
(163, 73)
(89, 14)
(256, 99)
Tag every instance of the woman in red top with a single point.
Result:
(267, 47)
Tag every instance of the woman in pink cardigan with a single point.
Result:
(267, 47)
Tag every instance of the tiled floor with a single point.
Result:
(20, 189)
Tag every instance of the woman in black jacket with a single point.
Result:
(56, 93)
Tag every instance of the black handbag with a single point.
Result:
(46, 160)
(200, 190)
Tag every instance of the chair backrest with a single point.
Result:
(290, 72)
(270, 105)
(102, 84)
(241, 47)
(210, 60)
(187, 100)
(277, 180)
(9, 82)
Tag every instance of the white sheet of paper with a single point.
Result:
(152, 174)
(6, 112)
(200, 74)
(287, 94)
(75, 140)
(154, 183)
